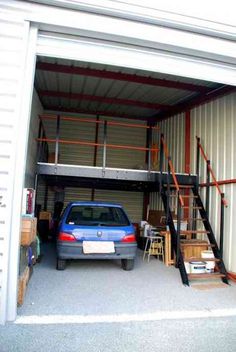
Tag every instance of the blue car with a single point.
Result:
(95, 230)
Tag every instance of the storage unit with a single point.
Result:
(131, 42)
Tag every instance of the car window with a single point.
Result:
(97, 215)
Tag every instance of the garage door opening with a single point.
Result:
(96, 135)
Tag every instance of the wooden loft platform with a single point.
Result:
(107, 178)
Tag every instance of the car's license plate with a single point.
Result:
(96, 247)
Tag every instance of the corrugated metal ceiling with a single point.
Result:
(109, 88)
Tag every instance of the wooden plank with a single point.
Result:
(205, 276)
(200, 259)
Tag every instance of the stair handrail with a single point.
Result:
(223, 201)
(171, 166)
(180, 203)
(200, 147)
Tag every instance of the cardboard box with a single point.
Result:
(22, 284)
(28, 230)
(45, 215)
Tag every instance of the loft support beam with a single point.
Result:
(100, 99)
(127, 77)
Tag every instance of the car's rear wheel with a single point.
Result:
(127, 264)
(61, 264)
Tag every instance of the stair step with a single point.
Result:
(206, 276)
(196, 219)
(187, 232)
(180, 186)
(183, 196)
(197, 244)
(199, 259)
(187, 207)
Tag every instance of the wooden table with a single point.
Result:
(167, 246)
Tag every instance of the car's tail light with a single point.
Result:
(129, 238)
(63, 236)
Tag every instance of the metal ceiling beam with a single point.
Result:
(75, 70)
(200, 99)
(107, 100)
(94, 113)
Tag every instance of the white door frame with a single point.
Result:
(137, 57)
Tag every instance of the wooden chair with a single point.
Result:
(154, 246)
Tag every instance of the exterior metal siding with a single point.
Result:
(32, 143)
(215, 124)
(12, 44)
(131, 201)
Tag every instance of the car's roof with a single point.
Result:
(95, 203)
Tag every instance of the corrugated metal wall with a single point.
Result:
(131, 201)
(32, 143)
(215, 124)
(174, 135)
(40, 194)
(12, 35)
(122, 135)
(86, 131)
(72, 131)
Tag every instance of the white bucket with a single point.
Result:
(183, 225)
(210, 266)
(197, 267)
(187, 267)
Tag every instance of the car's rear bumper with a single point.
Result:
(74, 250)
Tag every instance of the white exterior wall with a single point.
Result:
(13, 130)
(215, 124)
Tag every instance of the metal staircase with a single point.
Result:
(186, 201)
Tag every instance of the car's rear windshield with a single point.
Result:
(97, 216)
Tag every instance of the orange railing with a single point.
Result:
(109, 123)
(58, 118)
(216, 184)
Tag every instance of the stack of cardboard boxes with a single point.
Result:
(28, 254)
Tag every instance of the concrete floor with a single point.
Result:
(147, 309)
